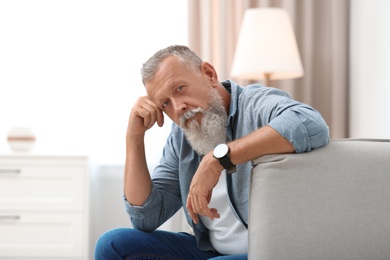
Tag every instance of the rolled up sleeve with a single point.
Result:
(299, 123)
(143, 217)
(303, 127)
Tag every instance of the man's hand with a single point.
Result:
(202, 184)
(144, 114)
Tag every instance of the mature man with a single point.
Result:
(206, 163)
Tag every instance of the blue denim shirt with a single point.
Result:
(251, 108)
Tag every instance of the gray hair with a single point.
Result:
(185, 55)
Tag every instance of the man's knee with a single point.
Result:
(109, 244)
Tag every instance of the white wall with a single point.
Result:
(69, 70)
(370, 69)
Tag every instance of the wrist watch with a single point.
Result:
(221, 152)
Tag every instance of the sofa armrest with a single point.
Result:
(330, 203)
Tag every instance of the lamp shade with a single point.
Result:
(266, 45)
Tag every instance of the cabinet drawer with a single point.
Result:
(41, 235)
(42, 187)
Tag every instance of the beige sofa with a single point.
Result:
(331, 203)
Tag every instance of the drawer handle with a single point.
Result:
(9, 217)
(10, 171)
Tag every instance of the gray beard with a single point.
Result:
(212, 130)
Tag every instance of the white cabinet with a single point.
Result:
(43, 207)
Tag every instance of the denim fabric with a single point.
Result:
(132, 244)
(231, 257)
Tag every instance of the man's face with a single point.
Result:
(204, 136)
(188, 97)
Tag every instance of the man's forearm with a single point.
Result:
(137, 181)
(265, 140)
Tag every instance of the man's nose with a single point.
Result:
(180, 107)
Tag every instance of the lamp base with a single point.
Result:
(267, 79)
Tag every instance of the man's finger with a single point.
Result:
(193, 216)
(204, 209)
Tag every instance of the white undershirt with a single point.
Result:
(227, 234)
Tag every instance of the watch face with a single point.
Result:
(221, 150)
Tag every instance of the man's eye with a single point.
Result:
(165, 104)
(180, 88)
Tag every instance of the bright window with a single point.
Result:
(70, 70)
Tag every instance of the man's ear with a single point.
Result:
(209, 71)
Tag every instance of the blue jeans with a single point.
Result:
(132, 244)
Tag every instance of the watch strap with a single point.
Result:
(227, 164)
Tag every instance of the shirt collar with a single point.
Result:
(235, 91)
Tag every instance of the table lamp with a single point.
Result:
(266, 47)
